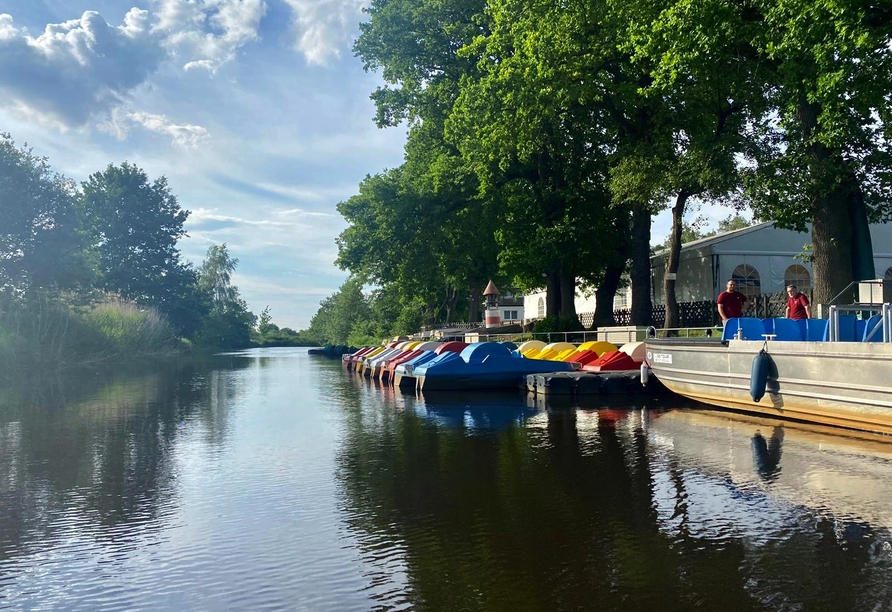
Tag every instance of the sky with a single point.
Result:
(256, 111)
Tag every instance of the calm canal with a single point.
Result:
(271, 480)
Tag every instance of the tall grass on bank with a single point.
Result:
(53, 330)
(127, 329)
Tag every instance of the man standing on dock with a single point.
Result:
(732, 303)
(797, 304)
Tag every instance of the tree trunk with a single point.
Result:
(639, 272)
(451, 301)
(568, 295)
(474, 305)
(831, 236)
(604, 296)
(863, 267)
(552, 293)
(835, 209)
(674, 257)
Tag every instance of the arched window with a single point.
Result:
(888, 275)
(748, 280)
(799, 276)
(541, 308)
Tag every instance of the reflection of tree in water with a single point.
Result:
(96, 446)
(560, 517)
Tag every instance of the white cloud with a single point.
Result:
(7, 30)
(77, 68)
(208, 33)
(182, 135)
(85, 68)
(185, 136)
(325, 27)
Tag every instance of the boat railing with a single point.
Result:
(877, 326)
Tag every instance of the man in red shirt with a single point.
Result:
(797, 304)
(732, 304)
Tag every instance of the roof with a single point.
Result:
(710, 240)
(490, 289)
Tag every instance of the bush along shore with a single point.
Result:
(46, 331)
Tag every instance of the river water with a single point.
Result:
(272, 480)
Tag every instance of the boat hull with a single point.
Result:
(844, 384)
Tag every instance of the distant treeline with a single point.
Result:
(92, 272)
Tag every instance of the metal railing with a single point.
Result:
(614, 335)
(881, 326)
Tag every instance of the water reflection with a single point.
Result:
(568, 504)
(767, 455)
(89, 453)
(474, 411)
(269, 480)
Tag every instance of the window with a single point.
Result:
(799, 276)
(888, 275)
(510, 315)
(620, 301)
(541, 309)
(748, 280)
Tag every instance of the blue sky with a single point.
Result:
(256, 112)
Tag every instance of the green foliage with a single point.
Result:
(133, 226)
(339, 313)
(558, 323)
(127, 329)
(52, 330)
(365, 333)
(229, 323)
(40, 246)
(126, 227)
(265, 322)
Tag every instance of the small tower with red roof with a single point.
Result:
(492, 316)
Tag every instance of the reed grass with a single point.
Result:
(54, 331)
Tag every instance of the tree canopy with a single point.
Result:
(40, 242)
(577, 121)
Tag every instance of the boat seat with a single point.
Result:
(815, 329)
(847, 329)
(753, 329)
(803, 328)
(873, 329)
(787, 329)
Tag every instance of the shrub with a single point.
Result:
(126, 328)
(558, 323)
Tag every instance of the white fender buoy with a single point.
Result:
(645, 374)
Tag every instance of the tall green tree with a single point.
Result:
(340, 314)
(414, 45)
(820, 148)
(133, 225)
(228, 323)
(534, 124)
(40, 245)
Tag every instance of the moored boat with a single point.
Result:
(844, 378)
(483, 365)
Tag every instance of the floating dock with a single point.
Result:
(592, 383)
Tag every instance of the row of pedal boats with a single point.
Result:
(427, 365)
